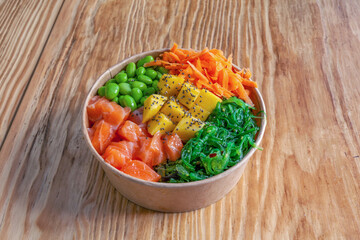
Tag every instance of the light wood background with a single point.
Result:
(305, 55)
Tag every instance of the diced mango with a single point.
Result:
(207, 100)
(198, 112)
(187, 127)
(170, 85)
(188, 94)
(160, 123)
(152, 105)
(173, 110)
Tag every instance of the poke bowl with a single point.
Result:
(170, 196)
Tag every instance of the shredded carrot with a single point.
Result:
(165, 57)
(172, 72)
(165, 64)
(180, 54)
(245, 82)
(208, 76)
(198, 85)
(208, 69)
(229, 61)
(219, 53)
(199, 66)
(242, 94)
(233, 82)
(196, 55)
(245, 73)
(188, 72)
(198, 73)
(191, 80)
(174, 57)
(219, 89)
(225, 78)
(176, 67)
(249, 83)
(173, 49)
(228, 94)
(154, 63)
(205, 83)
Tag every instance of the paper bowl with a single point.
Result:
(170, 197)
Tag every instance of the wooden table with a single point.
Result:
(305, 55)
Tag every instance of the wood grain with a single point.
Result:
(305, 56)
(24, 30)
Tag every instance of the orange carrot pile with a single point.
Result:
(208, 69)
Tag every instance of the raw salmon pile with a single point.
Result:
(123, 141)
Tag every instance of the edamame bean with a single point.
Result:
(146, 59)
(121, 100)
(145, 79)
(111, 91)
(149, 91)
(140, 71)
(136, 84)
(130, 102)
(159, 75)
(151, 73)
(116, 99)
(155, 84)
(121, 77)
(101, 91)
(130, 70)
(163, 70)
(124, 88)
(142, 100)
(137, 94)
(110, 81)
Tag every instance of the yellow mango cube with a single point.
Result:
(170, 85)
(188, 94)
(160, 123)
(207, 100)
(188, 127)
(198, 112)
(173, 110)
(152, 105)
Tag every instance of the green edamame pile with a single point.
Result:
(131, 86)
